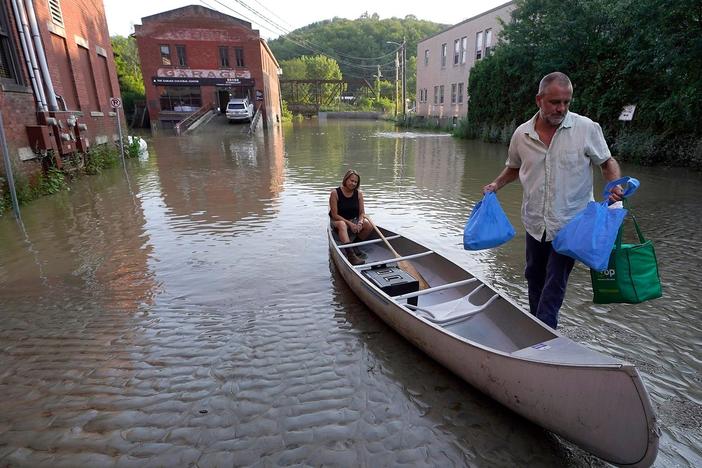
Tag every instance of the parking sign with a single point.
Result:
(115, 103)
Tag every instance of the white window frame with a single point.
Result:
(426, 57)
(488, 41)
(460, 93)
(444, 51)
(479, 45)
(464, 48)
(456, 51)
(453, 93)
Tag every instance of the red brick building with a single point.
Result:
(193, 57)
(57, 76)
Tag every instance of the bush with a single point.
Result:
(100, 157)
(286, 115)
(53, 181)
(384, 105)
(647, 149)
(132, 148)
(29, 189)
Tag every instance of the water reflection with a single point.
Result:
(206, 285)
(214, 186)
(88, 242)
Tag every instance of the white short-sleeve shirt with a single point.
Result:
(557, 180)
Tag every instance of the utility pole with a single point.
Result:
(377, 81)
(397, 72)
(404, 78)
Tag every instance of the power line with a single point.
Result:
(312, 45)
(306, 44)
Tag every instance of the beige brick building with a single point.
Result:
(444, 62)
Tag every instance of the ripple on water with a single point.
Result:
(194, 317)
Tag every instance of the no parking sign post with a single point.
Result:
(116, 103)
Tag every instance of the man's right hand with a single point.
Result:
(491, 187)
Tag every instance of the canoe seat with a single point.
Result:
(455, 310)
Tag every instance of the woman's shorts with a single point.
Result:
(331, 223)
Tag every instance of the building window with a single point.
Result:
(105, 76)
(55, 11)
(436, 94)
(488, 41)
(464, 48)
(180, 53)
(441, 94)
(426, 57)
(180, 98)
(479, 45)
(443, 55)
(165, 55)
(224, 57)
(460, 93)
(453, 93)
(456, 51)
(8, 63)
(90, 86)
(239, 53)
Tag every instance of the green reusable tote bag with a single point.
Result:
(632, 275)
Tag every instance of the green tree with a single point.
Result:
(131, 83)
(642, 52)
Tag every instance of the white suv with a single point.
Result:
(239, 109)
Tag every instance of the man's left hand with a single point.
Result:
(615, 194)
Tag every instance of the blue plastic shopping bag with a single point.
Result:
(590, 236)
(487, 225)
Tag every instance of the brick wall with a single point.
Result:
(202, 31)
(81, 64)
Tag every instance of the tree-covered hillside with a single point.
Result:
(359, 45)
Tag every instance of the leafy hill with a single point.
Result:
(359, 45)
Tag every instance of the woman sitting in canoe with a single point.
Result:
(346, 213)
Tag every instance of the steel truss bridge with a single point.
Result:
(307, 97)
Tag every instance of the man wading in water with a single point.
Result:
(552, 155)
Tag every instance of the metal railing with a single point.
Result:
(183, 126)
(255, 119)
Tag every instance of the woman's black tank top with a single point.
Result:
(347, 207)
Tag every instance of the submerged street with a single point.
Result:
(184, 310)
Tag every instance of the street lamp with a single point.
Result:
(403, 60)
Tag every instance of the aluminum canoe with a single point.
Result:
(591, 399)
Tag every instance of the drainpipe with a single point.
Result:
(29, 56)
(51, 96)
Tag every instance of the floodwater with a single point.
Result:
(185, 312)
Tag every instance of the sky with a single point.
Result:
(287, 15)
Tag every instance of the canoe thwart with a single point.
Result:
(366, 242)
(435, 289)
(393, 260)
